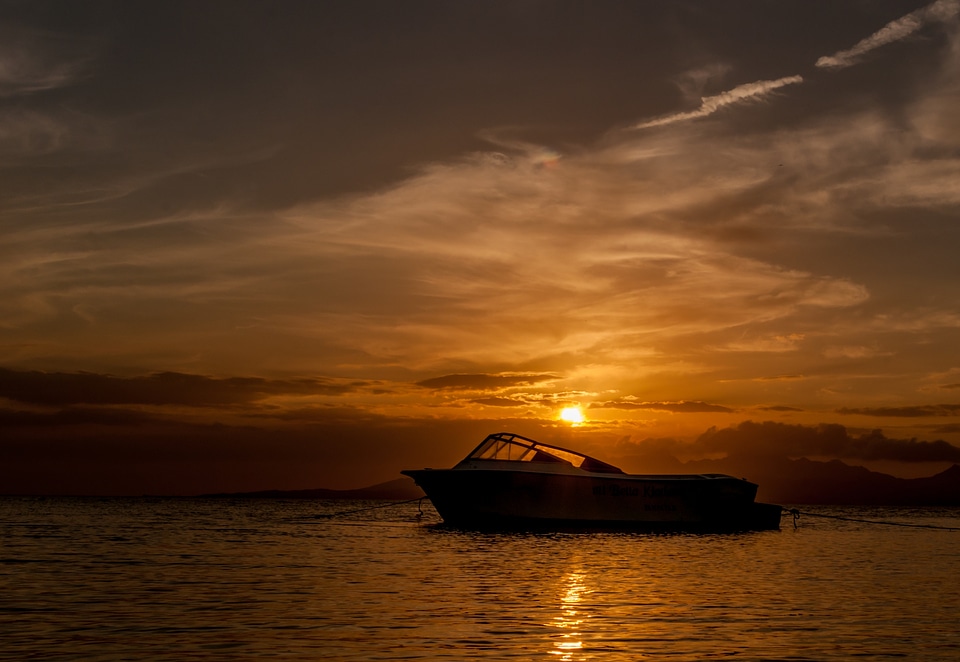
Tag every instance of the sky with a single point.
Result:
(255, 245)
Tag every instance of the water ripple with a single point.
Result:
(159, 579)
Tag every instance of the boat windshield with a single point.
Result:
(506, 446)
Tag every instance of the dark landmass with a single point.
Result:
(800, 481)
(804, 481)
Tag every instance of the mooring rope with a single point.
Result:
(387, 505)
(796, 517)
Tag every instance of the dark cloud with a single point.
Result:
(484, 382)
(166, 388)
(771, 439)
(681, 407)
(950, 386)
(917, 411)
(779, 408)
(763, 445)
(498, 402)
(77, 416)
(325, 414)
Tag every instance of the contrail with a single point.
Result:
(710, 105)
(941, 10)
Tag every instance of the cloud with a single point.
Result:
(769, 439)
(916, 320)
(602, 255)
(34, 61)
(168, 388)
(30, 133)
(693, 82)
(903, 27)
(73, 416)
(781, 378)
(917, 411)
(499, 402)
(682, 407)
(484, 382)
(495, 252)
(740, 94)
(790, 342)
(761, 446)
(853, 352)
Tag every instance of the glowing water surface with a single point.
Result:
(157, 579)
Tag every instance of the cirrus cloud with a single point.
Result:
(901, 28)
(741, 94)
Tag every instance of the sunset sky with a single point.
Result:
(251, 245)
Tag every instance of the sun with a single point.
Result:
(571, 415)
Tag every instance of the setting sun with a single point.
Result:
(572, 415)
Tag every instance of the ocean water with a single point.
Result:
(206, 579)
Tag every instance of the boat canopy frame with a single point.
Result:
(517, 448)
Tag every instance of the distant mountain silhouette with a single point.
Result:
(804, 481)
(781, 481)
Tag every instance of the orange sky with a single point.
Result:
(251, 247)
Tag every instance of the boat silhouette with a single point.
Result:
(510, 482)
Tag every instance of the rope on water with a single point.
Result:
(796, 518)
(419, 514)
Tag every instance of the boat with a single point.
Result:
(513, 482)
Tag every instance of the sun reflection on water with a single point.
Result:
(571, 618)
